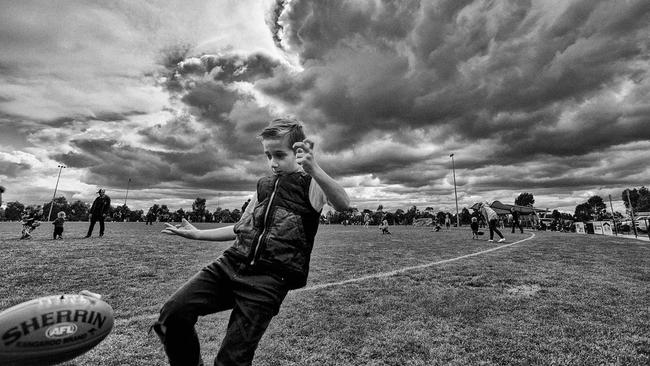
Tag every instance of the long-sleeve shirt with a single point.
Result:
(489, 213)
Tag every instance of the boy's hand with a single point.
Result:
(305, 155)
(185, 229)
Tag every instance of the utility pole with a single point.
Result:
(55, 188)
(631, 212)
(613, 218)
(453, 169)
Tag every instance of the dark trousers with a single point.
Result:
(93, 220)
(58, 232)
(254, 298)
(493, 229)
(517, 224)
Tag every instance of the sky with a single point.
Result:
(165, 99)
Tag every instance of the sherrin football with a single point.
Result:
(52, 329)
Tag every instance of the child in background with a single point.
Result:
(58, 225)
(474, 226)
(384, 227)
(270, 254)
(31, 220)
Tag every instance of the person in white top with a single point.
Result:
(492, 219)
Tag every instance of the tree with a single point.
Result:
(198, 209)
(178, 215)
(60, 204)
(410, 215)
(164, 213)
(2, 190)
(465, 216)
(14, 211)
(398, 216)
(78, 211)
(583, 212)
(599, 207)
(136, 215)
(440, 216)
(525, 199)
(593, 209)
(640, 199)
(122, 213)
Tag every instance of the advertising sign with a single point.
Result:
(580, 228)
(607, 228)
(603, 228)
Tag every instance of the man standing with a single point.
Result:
(515, 220)
(98, 211)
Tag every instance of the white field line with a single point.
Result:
(401, 270)
(357, 279)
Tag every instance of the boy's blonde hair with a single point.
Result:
(61, 215)
(281, 127)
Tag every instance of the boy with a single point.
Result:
(474, 227)
(31, 220)
(269, 256)
(58, 225)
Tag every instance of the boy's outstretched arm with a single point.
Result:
(335, 193)
(187, 230)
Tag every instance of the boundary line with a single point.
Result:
(405, 269)
(357, 279)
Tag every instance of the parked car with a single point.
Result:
(642, 222)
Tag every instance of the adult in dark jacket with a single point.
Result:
(515, 220)
(98, 212)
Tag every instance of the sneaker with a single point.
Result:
(502, 240)
(87, 236)
(490, 240)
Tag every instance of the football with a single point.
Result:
(53, 329)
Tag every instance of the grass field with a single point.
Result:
(555, 299)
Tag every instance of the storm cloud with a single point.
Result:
(537, 96)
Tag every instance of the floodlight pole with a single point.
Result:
(55, 188)
(127, 191)
(453, 169)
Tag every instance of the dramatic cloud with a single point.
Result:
(537, 96)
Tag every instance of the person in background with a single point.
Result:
(492, 219)
(515, 220)
(384, 227)
(98, 211)
(31, 220)
(474, 227)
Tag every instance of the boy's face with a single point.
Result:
(281, 158)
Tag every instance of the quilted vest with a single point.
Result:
(279, 236)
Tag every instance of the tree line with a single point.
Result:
(595, 208)
(79, 211)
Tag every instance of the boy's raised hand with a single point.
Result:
(185, 229)
(305, 155)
